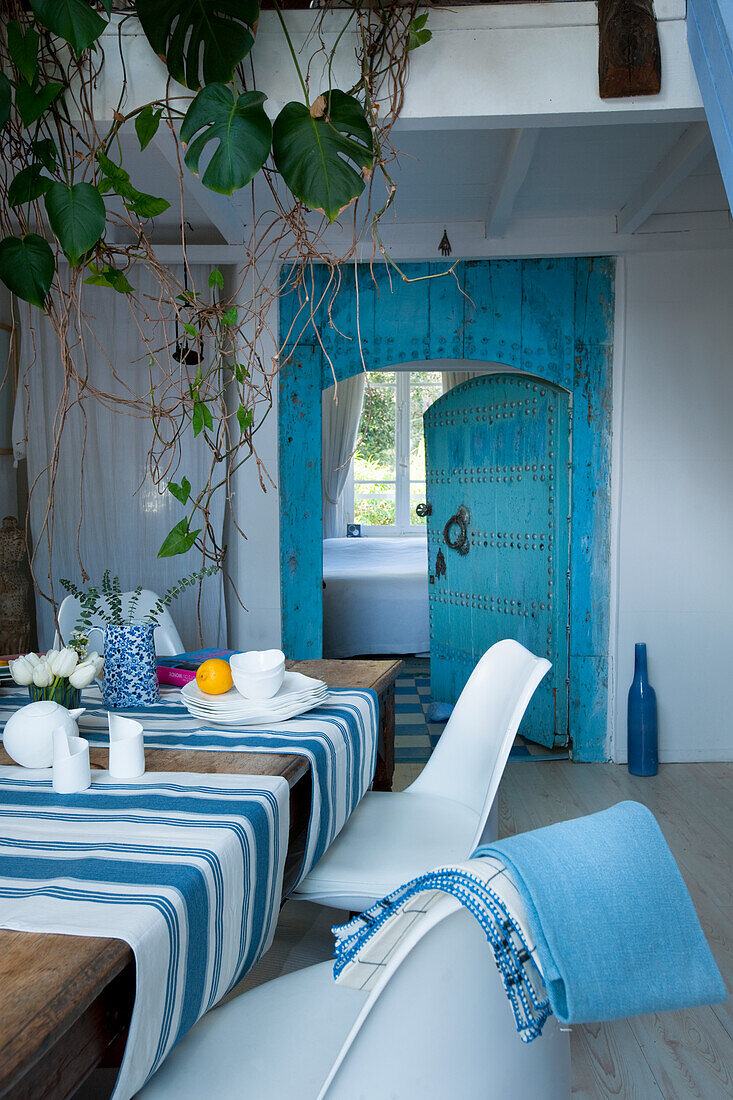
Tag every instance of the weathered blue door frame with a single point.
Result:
(551, 318)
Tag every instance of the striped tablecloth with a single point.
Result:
(339, 739)
(186, 868)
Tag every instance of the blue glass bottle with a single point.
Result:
(642, 719)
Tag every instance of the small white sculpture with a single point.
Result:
(28, 734)
(71, 770)
(126, 747)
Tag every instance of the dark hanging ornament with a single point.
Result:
(185, 354)
(445, 245)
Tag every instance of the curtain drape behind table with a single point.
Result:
(342, 407)
(125, 515)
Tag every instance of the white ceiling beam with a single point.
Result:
(554, 236)
(520, 151)
(218, 254)
(219, 209)
(682, 159)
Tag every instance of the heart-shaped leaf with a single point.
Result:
(31, 105)
(27, 267)
(28, 185)
(181, 492)
(109, 276)
(46, 152)
(6, 99)
(146, 125)
(73, 20)
(417, 33)
(313, 148)
(201, 41)
(77, 215)
(23, 50)
(178, 540)
(239, 126)
(117, 179)
(201, 418)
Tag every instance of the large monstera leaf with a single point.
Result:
(73, 20)
(77, 215)
(201, 41)
(27, 267)
(315, 149)
(240, 127)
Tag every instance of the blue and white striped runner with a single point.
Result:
(339, 739)
(186, 868)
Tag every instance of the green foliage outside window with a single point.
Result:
(377, 465)
(377, 442)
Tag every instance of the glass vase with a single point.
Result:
(130, 678)
(643, 736)
(62, 693)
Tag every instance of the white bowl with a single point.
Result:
(258, 674)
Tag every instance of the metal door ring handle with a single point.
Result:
(461, 520)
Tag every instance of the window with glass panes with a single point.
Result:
(389, 461)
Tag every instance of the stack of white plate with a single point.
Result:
(298, 694)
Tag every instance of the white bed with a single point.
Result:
(375, 598)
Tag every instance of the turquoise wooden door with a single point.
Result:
(497, 456)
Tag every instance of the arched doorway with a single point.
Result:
(549, 318)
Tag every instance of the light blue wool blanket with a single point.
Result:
(589, 919)
(616, 931)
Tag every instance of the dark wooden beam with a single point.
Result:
(629, 60)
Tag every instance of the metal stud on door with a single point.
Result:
(498, 486)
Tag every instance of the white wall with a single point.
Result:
(673, 507)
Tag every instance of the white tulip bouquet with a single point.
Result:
(59, 674)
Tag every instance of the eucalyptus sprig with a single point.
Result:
(105, 604)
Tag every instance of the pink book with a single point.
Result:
(175, 676)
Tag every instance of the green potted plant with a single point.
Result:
(130, 671)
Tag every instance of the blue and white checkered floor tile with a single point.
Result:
(415, 737)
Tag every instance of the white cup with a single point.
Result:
(71, 770)
(126, 747)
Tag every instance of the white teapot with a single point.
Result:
(28, 734)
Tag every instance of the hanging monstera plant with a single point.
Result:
(323, 151)
(317, 148)
(242, 132)
(201, 41)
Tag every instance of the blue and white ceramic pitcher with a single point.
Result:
(130, 676)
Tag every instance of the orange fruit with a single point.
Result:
(214, 676)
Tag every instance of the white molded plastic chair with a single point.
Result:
(437, 1024)
(446, 812)
(167, 639)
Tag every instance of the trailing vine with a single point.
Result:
(67, 202)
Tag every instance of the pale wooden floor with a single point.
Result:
(674, 1055)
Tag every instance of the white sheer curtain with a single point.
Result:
(125, 516)
(453, 378)
(342, 405)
